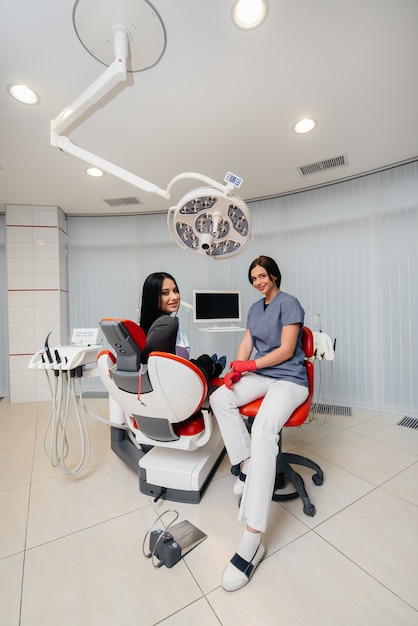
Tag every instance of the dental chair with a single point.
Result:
(284, 469)
(166, 431)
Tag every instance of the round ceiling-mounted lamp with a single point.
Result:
(95, 172)
(304, 126)
(249, 14)
(211, 223)
(95, 23)
(23, 94)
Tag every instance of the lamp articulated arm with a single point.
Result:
(211, 220)
(113, 75)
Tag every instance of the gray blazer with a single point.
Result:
(161, 336)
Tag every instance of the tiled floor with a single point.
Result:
(71, 545)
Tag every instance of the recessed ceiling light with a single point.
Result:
(249, 14)
(23, 94)
(94, 171)
(304, 126)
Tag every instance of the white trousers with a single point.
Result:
(281, 398)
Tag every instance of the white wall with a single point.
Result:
(4, 351)
(37, 297)
(348, 252)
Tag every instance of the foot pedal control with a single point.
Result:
(169, 546)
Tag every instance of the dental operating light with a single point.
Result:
(211, 220)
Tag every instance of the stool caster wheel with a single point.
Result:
(309, 510)
(317, 479)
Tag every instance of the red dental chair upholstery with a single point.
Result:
(298, 417)
(163, 405)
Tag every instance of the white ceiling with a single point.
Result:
(220, 99)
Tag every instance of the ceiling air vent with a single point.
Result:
(122, 201)
(321, 166)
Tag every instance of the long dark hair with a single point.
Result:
(270, 266)
(151, 298)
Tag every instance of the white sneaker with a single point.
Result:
(239, 571)
(238, 488)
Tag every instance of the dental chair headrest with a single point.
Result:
(127, 339)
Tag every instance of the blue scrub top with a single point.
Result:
(265, 326)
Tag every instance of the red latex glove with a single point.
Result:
(230, 378)
(243, 366)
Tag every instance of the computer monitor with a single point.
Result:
(217, 306)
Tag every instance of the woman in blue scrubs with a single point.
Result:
(276, 372)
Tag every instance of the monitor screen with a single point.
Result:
(216, 306)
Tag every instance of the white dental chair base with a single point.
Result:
(180, 476)
(174, 475)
